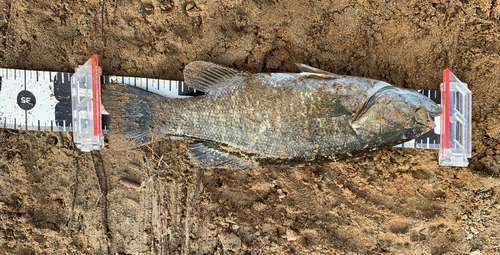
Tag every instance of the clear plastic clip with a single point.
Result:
(456, 101)
(86, 106)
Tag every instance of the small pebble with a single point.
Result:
(130, 183)
(290, 235)
(470, 236)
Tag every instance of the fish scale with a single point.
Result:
(233, 134)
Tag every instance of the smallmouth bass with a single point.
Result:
(278, 119)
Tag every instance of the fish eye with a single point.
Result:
(408, 134)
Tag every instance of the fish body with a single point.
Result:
(272, 119)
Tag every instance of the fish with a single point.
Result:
(270, 119)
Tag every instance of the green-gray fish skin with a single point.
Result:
(276, 119)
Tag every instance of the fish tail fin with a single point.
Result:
(134, 115)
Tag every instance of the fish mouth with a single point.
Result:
(421, 101)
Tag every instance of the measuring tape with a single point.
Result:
(34, 100)
(38, 100)
(41, 100)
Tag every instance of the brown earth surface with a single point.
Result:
(55, 199)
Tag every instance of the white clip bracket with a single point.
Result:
(456, 122)
(86, 106)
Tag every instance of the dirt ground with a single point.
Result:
(152, 200)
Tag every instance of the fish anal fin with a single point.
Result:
(312, 72)
(208, 77)
(206, 156)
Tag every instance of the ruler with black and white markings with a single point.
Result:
(168, 88)
(35, 100)
(41, 100)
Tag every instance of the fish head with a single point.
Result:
(394, 115)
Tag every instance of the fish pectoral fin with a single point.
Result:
(208, 77)
(205, 156)
(311, 72)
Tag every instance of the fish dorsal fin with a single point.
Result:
(208, 77)
(311, 72)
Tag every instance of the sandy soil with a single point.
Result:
(57, 200)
